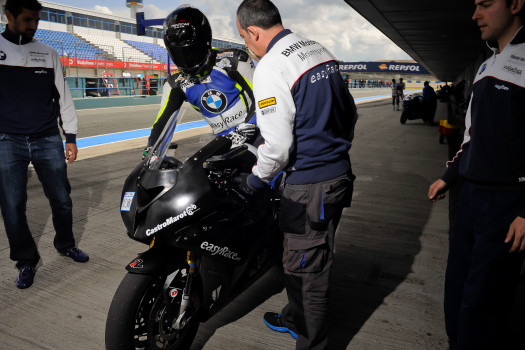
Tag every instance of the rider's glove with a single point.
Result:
(250, 184)
(247, 130)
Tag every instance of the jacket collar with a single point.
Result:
(278, 37)
(519, 38)
(14, 38)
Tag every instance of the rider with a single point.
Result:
(217, 83)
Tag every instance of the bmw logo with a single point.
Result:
(214, 101)
(2, 55)
(483, 68)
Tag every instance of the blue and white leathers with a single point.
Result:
(224, 98)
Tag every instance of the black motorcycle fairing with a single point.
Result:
(163, 197)
(156, 261)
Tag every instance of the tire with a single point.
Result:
(137, 317)
(404, 116)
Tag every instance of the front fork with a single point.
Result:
(180, 322)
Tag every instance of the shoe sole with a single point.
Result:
(281, 329)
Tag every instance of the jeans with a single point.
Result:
(47, 156)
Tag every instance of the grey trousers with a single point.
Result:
(309, 217)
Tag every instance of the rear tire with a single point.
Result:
(137, 317)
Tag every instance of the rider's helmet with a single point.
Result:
(187, 35)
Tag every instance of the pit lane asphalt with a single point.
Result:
(387, 290)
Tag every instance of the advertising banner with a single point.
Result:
(385, 67)
(84, 63)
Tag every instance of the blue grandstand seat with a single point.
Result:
(157, 52)
(67, 43)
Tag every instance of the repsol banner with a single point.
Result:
(378, 67)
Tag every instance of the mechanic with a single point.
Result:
(306, 116)
(217, 83)
(487, 241)
(33, 97)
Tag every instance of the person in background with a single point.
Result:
(306, 116)
(487, 241)
(400, 86)
(34, 95)
(395, 96)
(429, 102)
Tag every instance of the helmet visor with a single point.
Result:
(189, 56)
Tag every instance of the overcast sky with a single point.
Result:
(333, 23)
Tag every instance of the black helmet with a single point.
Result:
(187, 36)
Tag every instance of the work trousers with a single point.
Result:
(47, 156)
(482, 276)
(309, 218)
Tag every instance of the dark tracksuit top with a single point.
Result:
(33, 108)
(493, 149)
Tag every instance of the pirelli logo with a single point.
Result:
(268, 102)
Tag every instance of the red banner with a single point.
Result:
(77, 62)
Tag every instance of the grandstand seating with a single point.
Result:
(158, 52)
(67, 43)
(118, 48)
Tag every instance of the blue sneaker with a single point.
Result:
(76, 254)
(275, 322)
(26, 276)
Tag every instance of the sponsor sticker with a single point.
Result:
(136, 264)
(218, 250)
(267, 102)
(225, 54)
(189, 211)
(224, 63)
(126, 201)
(268, 110)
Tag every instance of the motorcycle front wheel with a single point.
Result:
(138, 317)
(404, 116)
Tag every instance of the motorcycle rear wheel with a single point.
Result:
(137, 317)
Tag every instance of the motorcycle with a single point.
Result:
(208, 242)
(412, 108)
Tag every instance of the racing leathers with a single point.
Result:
(224, 97)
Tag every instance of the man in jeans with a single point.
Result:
(33, 94)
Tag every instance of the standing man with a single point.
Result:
(33, 94)
(429, 103)
(395, 96)
(487, 240)
(306, 116)
(400, 94)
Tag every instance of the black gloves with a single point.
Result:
(250, 184)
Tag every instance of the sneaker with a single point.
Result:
(26, 276)
(275, 322)
(76, 254)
